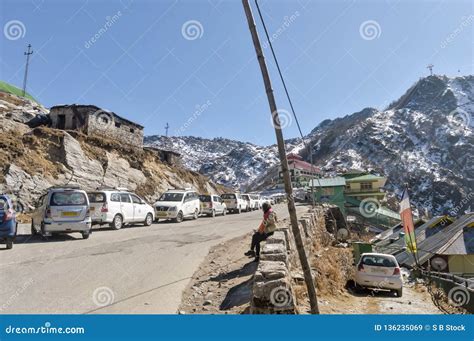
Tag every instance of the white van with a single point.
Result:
(118, 207)
(235, 203)
(177, 204)
(62, 209)
(255, 201)
(212, 204)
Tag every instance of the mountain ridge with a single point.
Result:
(423, 138)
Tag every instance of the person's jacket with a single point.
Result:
(269, 221)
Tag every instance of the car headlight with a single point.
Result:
(172, 208)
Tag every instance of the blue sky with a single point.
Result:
(144, 64)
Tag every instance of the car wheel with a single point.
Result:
(9, 243)
(85, 235)
(33, 230)
(149, 219)
(196, 214)
(117, 223)
(179, 217)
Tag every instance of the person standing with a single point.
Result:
(265, 230)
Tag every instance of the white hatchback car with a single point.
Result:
(118, 207)
(212, 204)
(379, 271)
(235, 203)
(63, 209)
(177, 204)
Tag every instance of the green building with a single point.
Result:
(330, 190)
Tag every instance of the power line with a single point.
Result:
(310, 148)
(279, 70)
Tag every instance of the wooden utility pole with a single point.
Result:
(284, 161)
(27, 54)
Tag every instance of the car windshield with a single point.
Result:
(171, 197)
(96, 197)
(205, 198)
(245, 197)
(374, 260)
(3, 204)
(68, 199)
(228, 196)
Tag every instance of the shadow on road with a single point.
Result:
(358, 291)
(238, 295)
(247, 270)
(29, 239)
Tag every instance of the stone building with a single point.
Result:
(166, 155)
(92, 120)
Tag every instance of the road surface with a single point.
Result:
(133, 270)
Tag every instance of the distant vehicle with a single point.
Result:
(263, 200)
(235, 202)
(249, 201)
(177, 204)
(8, 223)
(212, 205)
(118, 207)
(255, 201)
(379, 271)
(62, 210)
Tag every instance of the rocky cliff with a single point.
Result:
(32, 160)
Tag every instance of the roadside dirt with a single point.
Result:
(223, 282)
(415, 300)
(223, 285)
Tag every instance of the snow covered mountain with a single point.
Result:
(232, 163)
(424, 138)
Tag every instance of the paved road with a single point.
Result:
(133, 270)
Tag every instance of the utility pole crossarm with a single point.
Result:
(283, 159)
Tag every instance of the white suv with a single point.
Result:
(62, 209)
(235, 203)
(118, 207)
(177, 204)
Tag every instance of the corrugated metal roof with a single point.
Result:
(461, 244)
(422, 230)
(329, 182)
(368, 177)
(438, 242)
